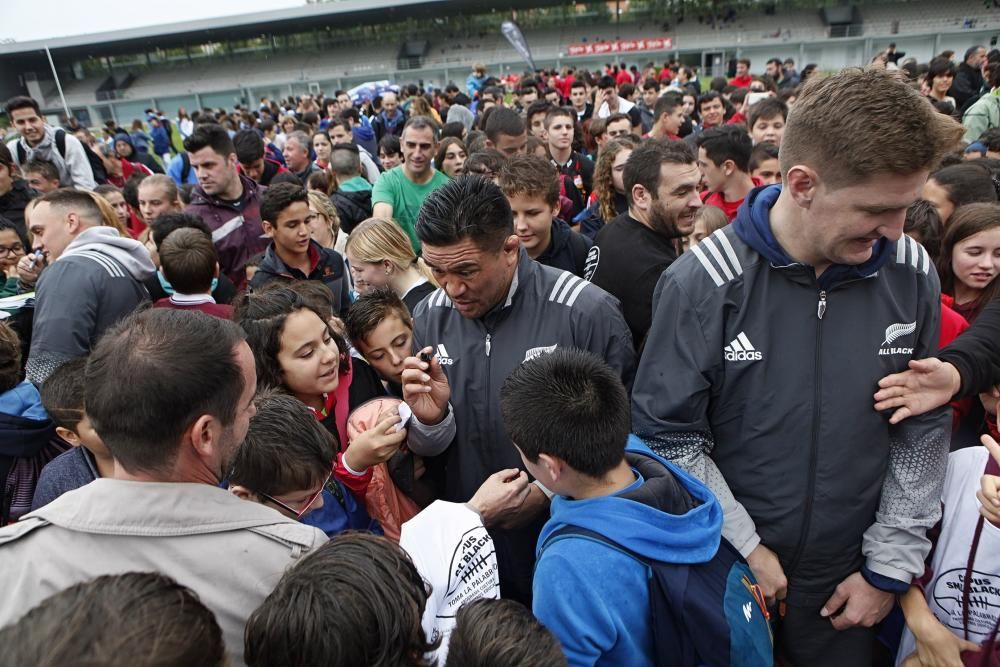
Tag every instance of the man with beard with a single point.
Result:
(629, 254)
(173, 441)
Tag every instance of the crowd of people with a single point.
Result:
(575, 368)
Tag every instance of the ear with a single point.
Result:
(552, 465)
(73, 220)
(511, 248)
(489, 144)
(640, 196)
(68, 435)
(268, 228)
(729, 167)
(204, 436)
(555, 209)
(243, 493)
(801, 182)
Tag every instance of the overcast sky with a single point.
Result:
(25, 20)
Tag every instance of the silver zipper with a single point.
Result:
(821, 306)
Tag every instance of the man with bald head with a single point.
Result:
(390, 119)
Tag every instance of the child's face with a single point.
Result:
(768, 172)
(309, 357)
(976, 259)
(390, 160)
(700, 231)
(768, 130)
(294, 504)
(12, 249)
(387, 346)
(87, 436)
(290, 232)
(533, 221)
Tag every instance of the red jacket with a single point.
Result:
(952, 325)
(741, 81)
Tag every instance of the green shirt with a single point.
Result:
(405, 197)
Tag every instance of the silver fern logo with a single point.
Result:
(893, 333)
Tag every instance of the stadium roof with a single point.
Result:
(296, 19)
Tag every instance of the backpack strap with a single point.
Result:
(22, 154)
(61, 141)
(185, 167)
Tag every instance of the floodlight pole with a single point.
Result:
(58, 85)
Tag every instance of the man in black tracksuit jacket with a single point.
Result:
(530, 309)
(767, 343)
(757, 377)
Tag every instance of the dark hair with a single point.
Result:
(966, 183)
(22, 235)
(991, 139)
(454, 129)
(643, 165)
(727, 142)
(62, 393)
(605, 82)
(501, 633)
(571, 405)
(189, 261)
(922, 218)
(168, 222)
(708, 96)
(967, 221)
(504, 121)
(286, 448)
(285, 177)
(249, 146)
(156, 353)
(389, 144)
(577, 83)
(137, 619)
(7, 160)
(541, 106)
(558, 112)
(356, 600)
(279, 197)
(105, 189)
(422, 123)
(614, 118)
(738, 96)
(531, 176)
(470, 207)
(21, 102)
(940, 67)
(666, 104)
(766, 109)
(761, 153)
(650, 84)
(486, 162)
(10, 358)
(262, 315)
(131, 190)
(45, 168)
(211, 135)
(372, 309)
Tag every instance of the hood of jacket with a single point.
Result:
(753, 226)
(669, 517)
(128, 252)
(128, 140)
(24, 424)
(458, 113)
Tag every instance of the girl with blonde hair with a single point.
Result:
(380, 255)
(325, 226)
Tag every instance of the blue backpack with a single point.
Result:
(705, 614)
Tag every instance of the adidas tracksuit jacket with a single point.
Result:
(759, 380)
(546, 308)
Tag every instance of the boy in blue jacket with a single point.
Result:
(568, 414)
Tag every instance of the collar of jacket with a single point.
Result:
(525, 267)
(155, 509)
(272, 261)
(251, 191)
(753, 226)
